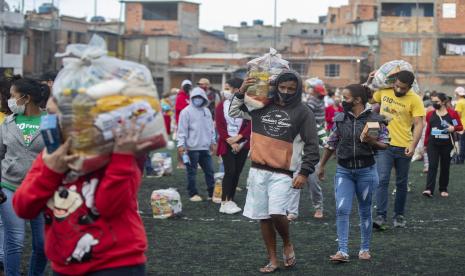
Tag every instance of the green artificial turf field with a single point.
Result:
(205, 242)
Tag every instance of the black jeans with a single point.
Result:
(137, 270)
(438, 154)
(233, 165)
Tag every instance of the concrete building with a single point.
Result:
(11, 41)
(112, 33)
(159, 33)
(355, 23)
(48, 33)
(258, 38)
(217, 67)
(336, 64)
(428, 34)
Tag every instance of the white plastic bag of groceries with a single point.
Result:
(165, 203)
(96, 93)
(162, 164)
(385, 75)
(264, 69)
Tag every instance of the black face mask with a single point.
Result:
(347, 106)
(285, 98)
(436, 106)
(399, 94)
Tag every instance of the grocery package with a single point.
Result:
(264, 69)
(165, 203)
(96, 95)
(218, 190)
(162, 164)
(385, 75)
(312, 82)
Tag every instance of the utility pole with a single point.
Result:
(95, 8)
(275, 37)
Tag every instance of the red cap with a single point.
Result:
(320, 89)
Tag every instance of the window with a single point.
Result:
(300, 68)
(159, 82)
(449, 10)
(411, 48)
(332, 18)
(303, 32)
(13, 43)
(332, 70)
(160, 11)
(407, 9)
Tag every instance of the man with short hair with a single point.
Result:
(281, 131)
(402, 108)
(213, 95)
(460, 108)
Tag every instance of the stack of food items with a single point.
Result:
(97, 95)
(264, 69)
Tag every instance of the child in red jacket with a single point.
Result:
(91, 223)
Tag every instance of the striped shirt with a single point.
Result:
(318, 108)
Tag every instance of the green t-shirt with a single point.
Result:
(28, 125)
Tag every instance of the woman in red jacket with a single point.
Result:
(91, 223)
(440, 124)
(233, 146)
(331, 111)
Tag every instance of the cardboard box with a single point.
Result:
(372, 128)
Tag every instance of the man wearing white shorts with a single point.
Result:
(281, 131)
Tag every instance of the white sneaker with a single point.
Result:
(223, 203)
(230, 208)
(196, 198)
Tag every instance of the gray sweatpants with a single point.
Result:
(316, 195)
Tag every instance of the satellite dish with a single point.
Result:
(174, 54)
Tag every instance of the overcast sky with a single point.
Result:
(214, 14)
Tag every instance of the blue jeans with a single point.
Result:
(204, 159)
(386, 160)
(14, 228)
(347, 183)
(462, 148)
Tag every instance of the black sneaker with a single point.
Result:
(379, 223)
(399, 221)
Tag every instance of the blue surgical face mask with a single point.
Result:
(197, 102)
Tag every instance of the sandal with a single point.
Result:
(339, 257)
(428, 193)
(289, 261)
(444, 194)
(269, 268)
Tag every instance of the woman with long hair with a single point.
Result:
(356, 173)
(20, 143)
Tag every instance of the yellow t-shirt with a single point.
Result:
(400, 111)
(460, 108)
(2, 117)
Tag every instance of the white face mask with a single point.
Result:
(227, 94)
(15, 108)
(197, 102)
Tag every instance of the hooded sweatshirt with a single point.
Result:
(195, 129)
(281, 133)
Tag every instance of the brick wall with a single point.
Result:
(136, 25)
(398, 24)
(348, 72)
(451, 25)
(391, 49)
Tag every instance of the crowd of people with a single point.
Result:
(369, 133)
